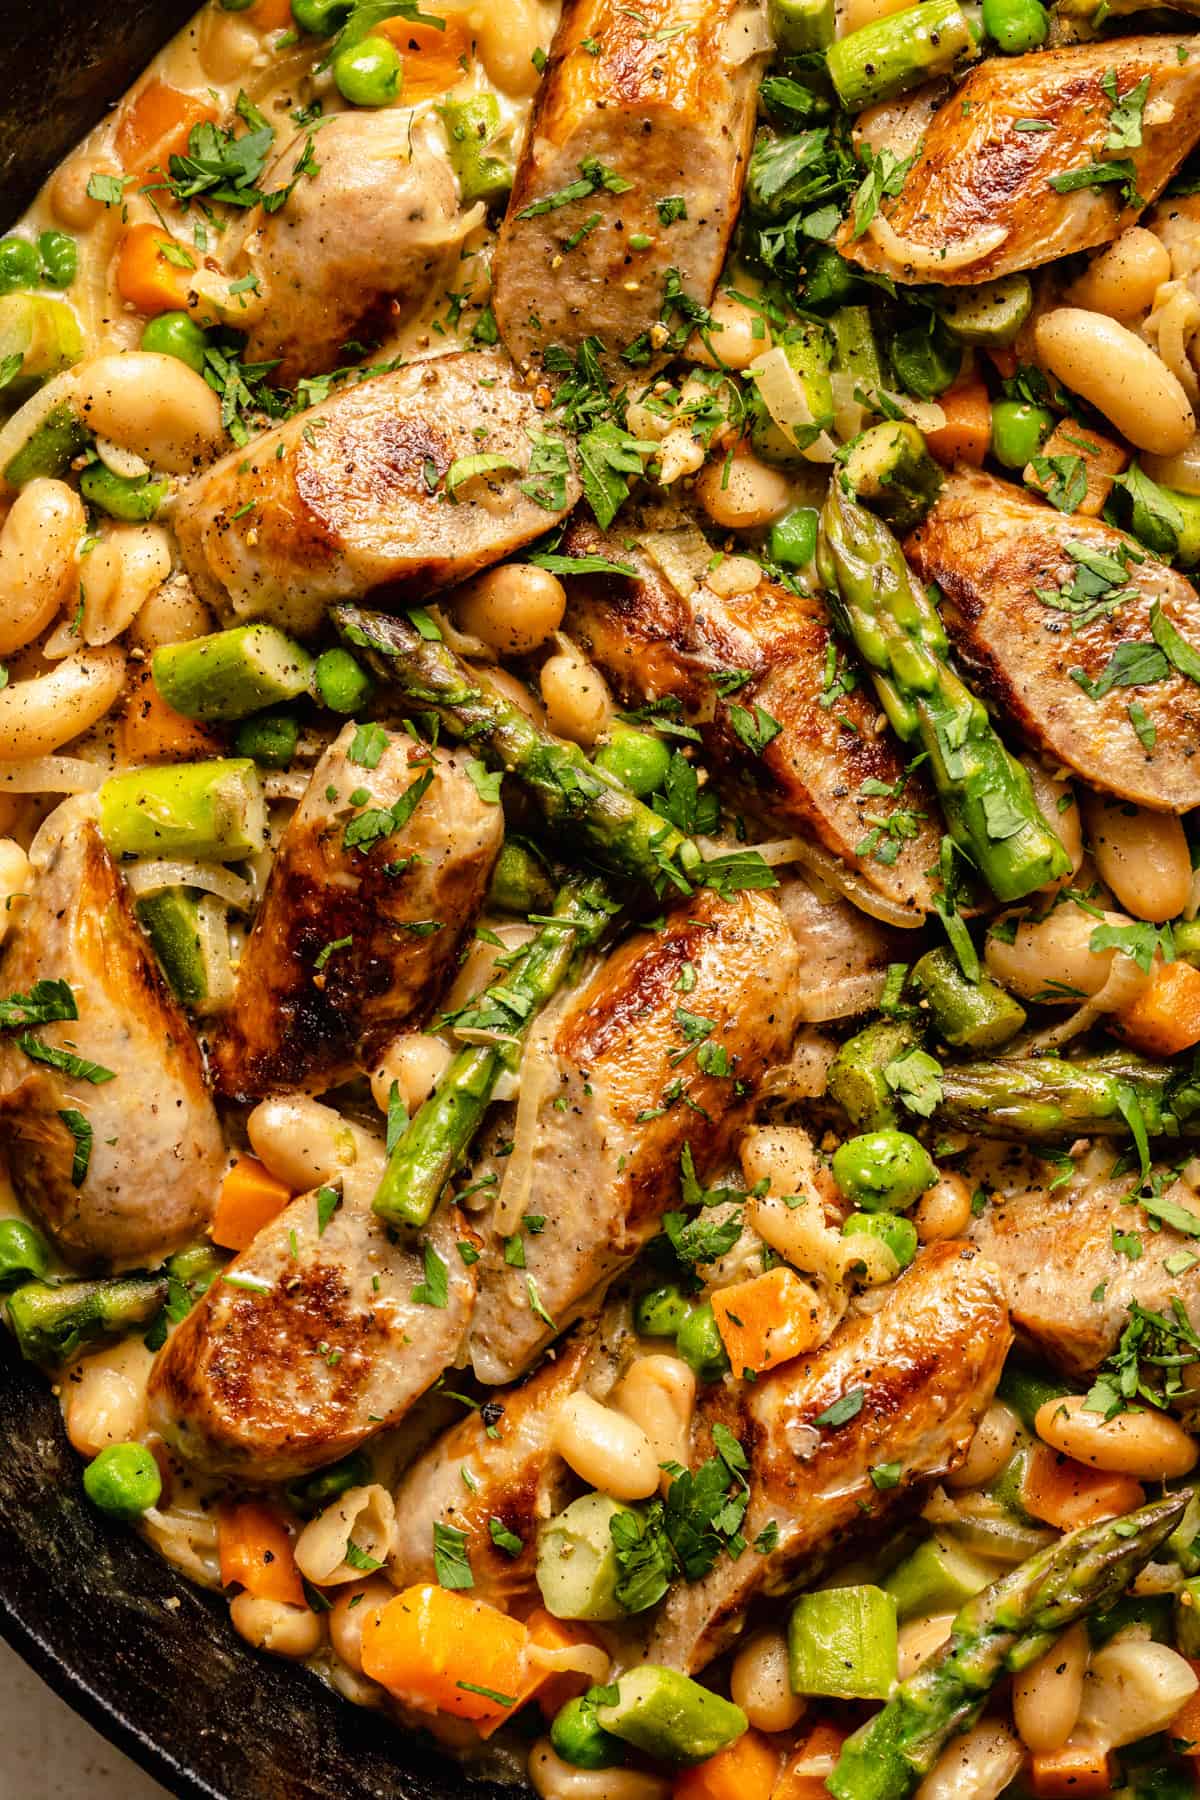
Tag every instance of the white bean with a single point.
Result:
(104, 1400)
(555, 1779)
(352, 1606)
(415, 1062)
(659, 1394)
(46, 712)
(739, 337)
(1048, 1694)
(977, 1766)
(171, 616)
(506, 684)
(506, 38)
(1124, 278)
(918, 1639)
(512, 609)
(69, 198)
(226, 45)
(1133, 1690)
(1059, 807)
(605, 1449)
(1147, 1445)
(271, 1625)
(39, 559)
(740, 493)
(576, 697)
(142, 558)
(1050, 958)
(154, 405)
(1141, 855)
(304, 1143)
(365, 1516)
(16, 875)
(782, 1155)
(1120, 374)
(944, 1210)
(991, 1448)
(760, 1685)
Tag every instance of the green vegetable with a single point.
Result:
(269, 738)
(20, 264)
(801, 25)
(842, 1642)
(519, 882)
(43, 332)
(1045, 1098)
(133, 499)
(830, 281)
(50, 1321)
(578, 1738)
(883, 1170)
(1155, 1613)
(1004, 1629)
(1184, 1542)
(472, 128)
(987, 797)
(1016, 26)
(123, 1481)
(321, 17)
(211, 810)
(670, 1717)
(177, 922)
(792, 542)
(312, 1493)
(900, 1235)
(698, 1342)
(939, 1576)
(894, 54)
(856, 1076)
(1187, 1617)
(889, 467)
(807, 350)
(197, 1267)
(177, 334)
(368, 73)
(231, 673)
(637, 758)
(1165, 520)
(971, 1015)
(994, 312)
(49, 449)
(925, 357)
(24, 1254)
(1018, 431)
(60, 258)
(341, 682)
(855, 351)
(660, 1311)
(577, 1560)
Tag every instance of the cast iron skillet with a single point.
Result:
(145, 1657)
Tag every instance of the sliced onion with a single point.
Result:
(1122, 986)
(125, 463)
(212, 929)
(285, 784)
(746, 35)
(51, 775)
(848, 413)
(909, 253)
(1182, 471)
(573, 1659)
(1172, 326)
(151, 877)
(539, 1074)
(842, 879)
(682, 555)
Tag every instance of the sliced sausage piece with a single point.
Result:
(820, 773)
(350, 498)
(977, 202)
(622, 1081)
(924, 1363)
(992, 548)
(641, 130)
(311, 1341)
(155, 1156)
(363, 918)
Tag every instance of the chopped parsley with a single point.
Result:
(594, 178)
(81, 1130)
(328, 1201)
(435, 1289)
(46, 1001)
(842, 1410)
(451, 1564)
(78, 1067)
(503, 1538)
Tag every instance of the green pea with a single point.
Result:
(60, 258)
(316, 1491)
(1016, 26)
(269, 738)
(883, 1171)
(368, 73)
(175, 334)
(123, 1481)
(637, 758)
(898, 1233)
(660, 1311)
(580, 1741)
(20, 264)
(699, 1344)
(519, 881)
(342, 683)
(133, 499)
(321, 17)
(793, 539)
(1018, 431)
(23, 1253)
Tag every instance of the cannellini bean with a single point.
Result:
(781, 1155)
(16, 875)
(1147, 1445)
(918, 1639)
(800, 1235)
(506, 38)
(47, 711)
(415, 1062)
(739, 337)
(759, 1683)
(512, 609)
(1050, 957)
(944, 1210)
(352, 1606)
(144, 562)
(1123, 279)
(39, 559)
(365, 1516)
(506, 684)
(1141, 855)
(1047, 1695)
(854, 14)
(281, 1630)
(1059, 807)
(555, 1779)
(659, 1394)
(740, 493)
(69, 198)
(304, 1143)
(1120, 374)
(605, 1449)
(991, 1447)
(104, 1399)
(977, 1766)
(172, 615)
(154, 405)
(1133, 1690)
(576, 697)
(225, 44)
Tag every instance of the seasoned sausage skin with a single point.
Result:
(926, 1362)
(612, 1122)
(156, 1153)
(977, 202)
(989, 545)
(666, 105)
(349, 498)
(306, 1016)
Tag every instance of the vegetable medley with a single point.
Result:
(600, 990)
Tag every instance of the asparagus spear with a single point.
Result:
(231, 674)
(621, 832)
(1046, 1097)
(986, 795)
(893, 54)
(50, 1320)
(211, 810)
(425, 1156)
(1001, 1631)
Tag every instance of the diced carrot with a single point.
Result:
(250, 1198)
(1072, 1773)
(157, 123)
(147, 277)
(1100, 456)
(766, 1320)
(968, 429)
(151, 731)
(270, 15)
(746, 1771)
(441, 1651)
(1164, 1018)
(433, 59)
(1184, 1729)
(1066, 1494)
(1004, 360)
(256, 1551)
(803, 1774)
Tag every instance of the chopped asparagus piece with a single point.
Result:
(134, 500)
(894, 54)
(801, 25)
(50, 1321)
(990, 314)
(577, 1560)
(231, 674)
(177, 922)
(1026, 1389)
(669, 1716)
(520, 883)
(856, 1075)
(48, 450)
(855, 351)
(842, 1642)
(472, 128)
(1187, 1617)
(937, 1577)
(211, 810)
(43, 332)
(971, 1015)
(1045, 1098)
(889, 466)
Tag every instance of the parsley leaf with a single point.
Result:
(644, 1558)
(841, 1411)
(916, 1080)
(435, 1289)
(1125, 118)
(46, 1001)
(503, 1538)
(328, 1201)
(1130, 665)
(451, 1565)
(594, 177)
(65, 1060)
(609, 459)
(486, 782)
(81, 1130)
(1179, 653)
(756, 729)
(1100, 174)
